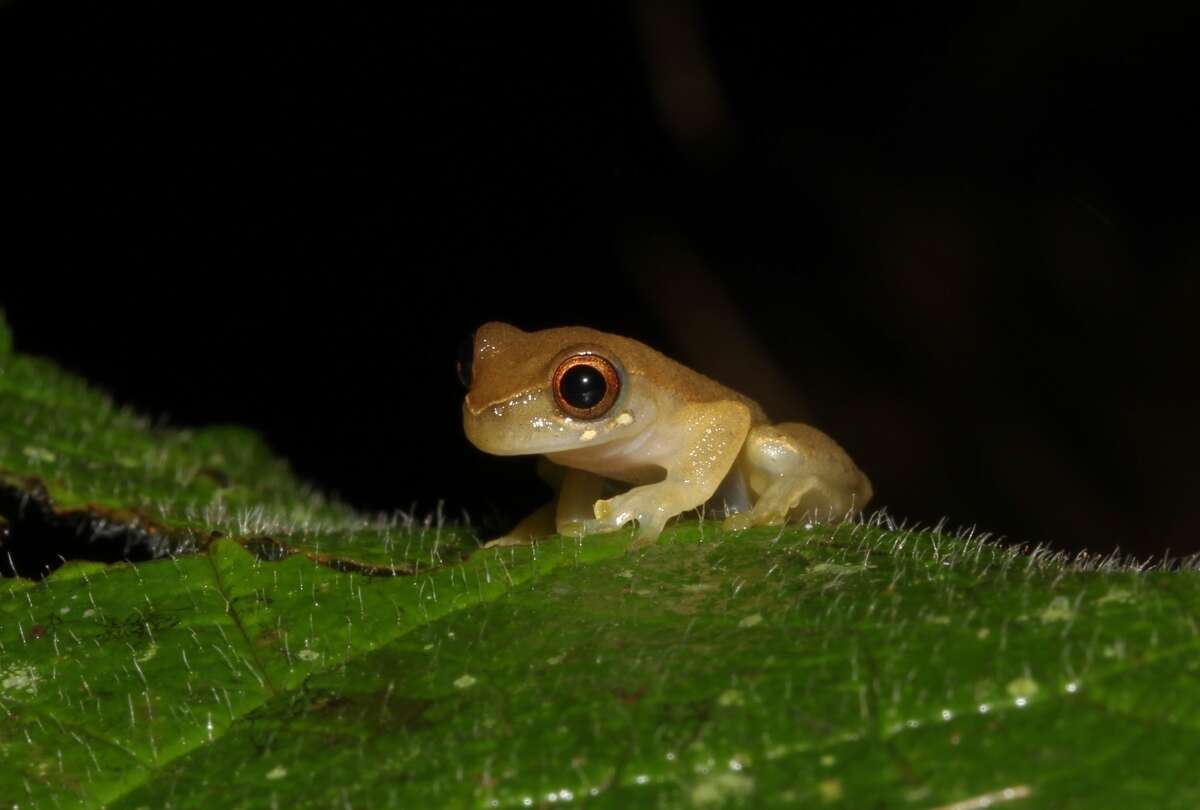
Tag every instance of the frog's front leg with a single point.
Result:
(542, 522)
(697, 446)
(569, 513)
(792, 468)
(577, 493)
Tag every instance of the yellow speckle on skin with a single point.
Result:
(1059, 610)
(625, 419)
(830, 790)
(308, 655)
(1118, 595)
(751, 620)
(278, 772)
(982, 633)
(465, 682)
(587, 435)
(150, 652)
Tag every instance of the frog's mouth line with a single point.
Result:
(480, 410)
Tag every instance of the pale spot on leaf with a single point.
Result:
(1059, 610)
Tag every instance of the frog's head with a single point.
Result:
(548, 391)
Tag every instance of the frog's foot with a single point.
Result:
(782, 497)
(647, 505)
(648, 529)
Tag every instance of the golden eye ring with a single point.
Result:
(585, 386)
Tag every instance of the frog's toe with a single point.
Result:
(582, 528)
(611, 515)
(648, 532)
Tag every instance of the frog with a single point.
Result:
(624, 434)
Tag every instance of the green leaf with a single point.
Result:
(294, 653)
(82, 467)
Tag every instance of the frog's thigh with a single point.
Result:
(792, 467)
(706, 440)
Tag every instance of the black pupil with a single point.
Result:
(583, 386)
(466, 359)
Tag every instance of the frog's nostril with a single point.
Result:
(466, 359)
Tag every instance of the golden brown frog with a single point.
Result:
(601, 407)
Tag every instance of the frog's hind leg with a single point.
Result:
(732, 496)
(534, 527)
(783, 498)
(792, 469)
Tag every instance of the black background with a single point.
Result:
(961, 241)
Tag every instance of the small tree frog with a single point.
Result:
(601, 408)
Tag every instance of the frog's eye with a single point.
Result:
(586, 386)
(466, 359)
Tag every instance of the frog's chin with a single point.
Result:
(494, 439)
